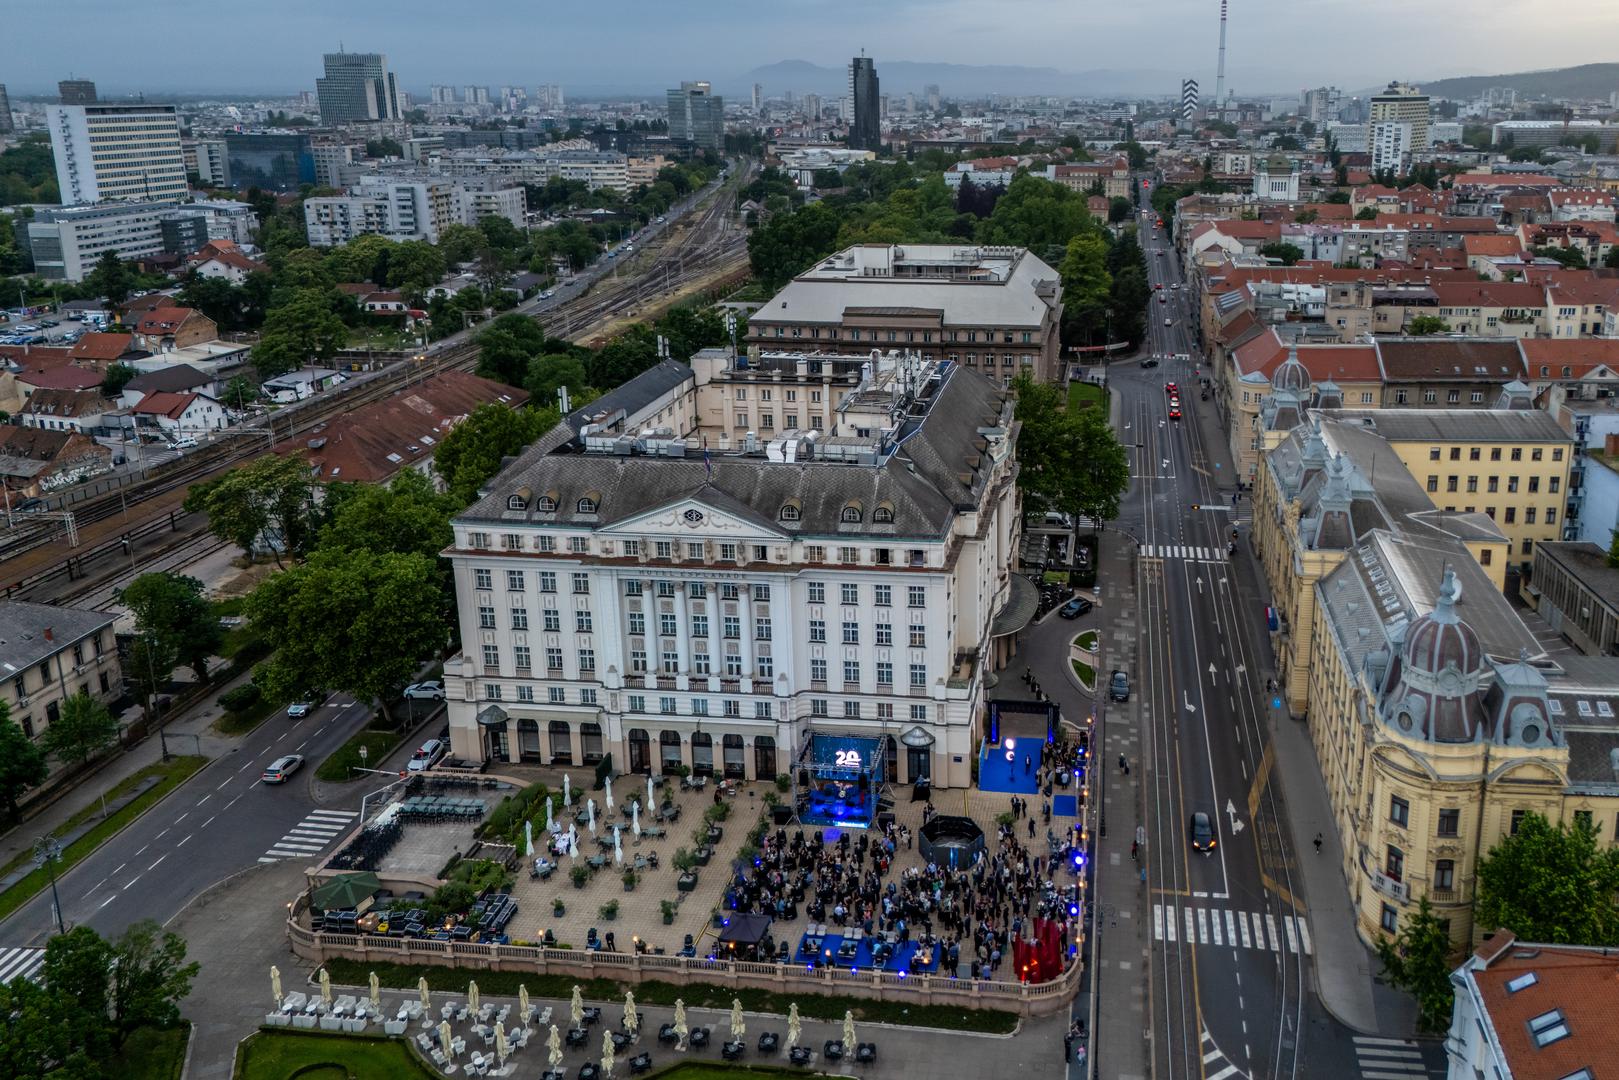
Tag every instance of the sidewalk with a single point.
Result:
(190, 734)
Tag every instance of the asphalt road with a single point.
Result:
(220, 822)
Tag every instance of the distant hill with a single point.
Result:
(953, 80)
(1585, 81)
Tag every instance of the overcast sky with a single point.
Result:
(636, 45)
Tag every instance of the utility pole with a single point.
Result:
(47, 852)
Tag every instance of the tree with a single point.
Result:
(547, 374)
(1305, 217)
(507, 345)
(1285, 253)
(116, 378)
(1570, 257)
(1069, 460)
(240, 392)
(297, 330)
(150, 977)
(83, 728)
(22, 763)
(472, 451)
(1119, 209)
(171, 610)
(359, 621)
(110, 277)
(1424, 325)
(1551, 883)
(1086, 284)
(1417, 960)
(1338, 197)
(76, 969)
(1036, 213)
(269, 501)
(405, 515)
(383, 148)
(1366, 213)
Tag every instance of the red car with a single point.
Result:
(1171, 389)
(1174, 412)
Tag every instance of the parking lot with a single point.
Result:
(54, 330)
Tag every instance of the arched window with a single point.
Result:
(734, 769)
(546, 505)
(764, 757)
(561, 743)
(851, 514)
(587, 505)
(702, 754)
(791, 512)
(883, 515)
(516, 502)
(528, 739)
(669, 750)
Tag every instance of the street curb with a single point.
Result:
(191, 1044)
(311, 981)
(126, 826)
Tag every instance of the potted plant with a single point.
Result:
(783, 782)
(580, 874)
(558, 908)
(608, 911)
(668, 909)
(685, 862)
(702, 854)
(629, 881)
(716, 918)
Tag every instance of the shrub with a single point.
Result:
(241, 698)
(629, 879)
(608, 911)
(783, 782)
(580, 874)
(684, 860)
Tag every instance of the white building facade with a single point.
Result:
(622, 592)
(117, 152)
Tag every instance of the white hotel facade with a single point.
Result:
(623, 591)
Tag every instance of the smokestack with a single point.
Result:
(1219, 75)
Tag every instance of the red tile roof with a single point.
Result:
(1580, 983)
(1340, 363)
(1493, 245)
(36, 358)
(1483, 294)
(1581, 355)
(164, 320)
(164, 403)
(1506, 180)
(98, 346)
(63, 377)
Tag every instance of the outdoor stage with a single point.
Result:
(839, 781)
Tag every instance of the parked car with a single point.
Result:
(431, 690)
(183, 442)
(281, 768)
(426, 756)
(1119, 687)
(1201, 833)
(1075, 608)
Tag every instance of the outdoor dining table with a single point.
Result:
(654, 832)
(576, 1037)
(596, 862)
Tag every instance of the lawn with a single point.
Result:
(173, 773)
(694, 994)
(1086, 641)
(277, 1055)
(1086, 673)
(152, 1054)
(346, 758)
(1084, 395)
(240, 723)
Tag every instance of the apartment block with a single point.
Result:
(67, 242)
(409, 208)
(50, 654)
(107, 153)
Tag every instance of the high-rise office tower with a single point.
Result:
(76, 91)
(441, 95)
(758, 97)
(865, 124)
(1403, 104)
(932, 91)
(697, 116)
(5, 110)
(476, 95)
(357, 87)
(122, 152)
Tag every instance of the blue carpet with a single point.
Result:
(995, 773)
(1065, 806)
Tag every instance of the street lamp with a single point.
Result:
(47, 852)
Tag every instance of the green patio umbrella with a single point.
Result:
(346, 891)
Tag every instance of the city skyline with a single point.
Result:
(1266, 53)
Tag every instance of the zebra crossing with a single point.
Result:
(21, 963)
(1216, 1066)
(309, 836)
(1237, 929)
(1177, 551)
(1389, 1059)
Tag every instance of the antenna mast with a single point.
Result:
(1219, 77)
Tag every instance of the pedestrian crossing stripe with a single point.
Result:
(1389, 1059)
(311, 835)
(1181, 551)
(20, 963)
(1250, 930)
(1213, 1057)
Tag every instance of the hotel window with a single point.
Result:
(637, 703)
(638, 661)
(733, 708)
(766, 665)
(548, 581)
(882, 595)
(760, 553)
(851, 710)
(581, 584)
(696, 590)
(851, 671)
(817, 592)
(728, 591)
(486, 618)
(552, 619)
(761, 592)
(919, 675)
(728, 553)
(1444, 874)
(670, 662)
(553, 659)
(817, 706)
(919, 713)
(817, 630)
(789, 420)
(1390, 919)
(1450, 822)
(525, 693)
(491, 692)
(851, 633)
(694, 551)
(700, 664)
(663, 549)
(587, 661)
(668, 706)
(763, 710)
(850, 593)
(817, 670)
(666, 589)
(919, 636)
(523, 657)
(761, 629)
(632, 587)
(1399, 811)
(732, 626)
(632, 548)
(848, 555)
(511, 541)
(1394, 863)
(545, 543)
(699, 626)
(885, 673)
(916, 596)
(483, 579)
(666, 623)
(491, 656)
(699, 706)
(885, 633)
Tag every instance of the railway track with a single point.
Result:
(144, 522)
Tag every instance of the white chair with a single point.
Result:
(461, 1013)
(545, 1017)
(393, 1027)
(415, 1010)
(438, 1056)
(476, 1060)
(458, 1046)
(404, 1012)
(447, 1011)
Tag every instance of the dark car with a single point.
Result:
(1149, 361)
(1075, 608)
(1119, 687)
(1201, 833)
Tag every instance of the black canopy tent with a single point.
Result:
(744, 937)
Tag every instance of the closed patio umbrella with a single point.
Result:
(421, 990)
(567, 790)
(472, 996)
(632, 1018)
(275, 984)
(680, 1022)
(502, 1049)
(738, 1028)
(795, 1027)
(553, 1049)
(848, 1031)
(444, 1039)
(607, 1052)
(609, 793)
(376, 992)
(522, 1002)
(576, 1007)
(325, 987)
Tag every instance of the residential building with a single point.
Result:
(171, 379)
(1404, 104)
(48, 654)
(224, 219)
(1390, 144)
(357, 88)
(35, 460)
(182, 232)
(1527, 1009)
(66, 410)
(1528, 133)
(995, 310)
(76, 92)
(177, 415)
(866, 129)
(223, 259)
(270, 160)
(331, 161)
(337, 219)
(410, 208)
(124, 153)
(1112, 176)
(803, 163)
(621, 593)
(165, 329)
(67, 242)
(213, 162)
(1320, 105)
(1577, 592)
(1448, 372)
(697, 117)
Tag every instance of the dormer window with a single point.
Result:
(587, 505)
(516, 502)
(883, 515)
(546, 505)
(791, 512)
(851, 514)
